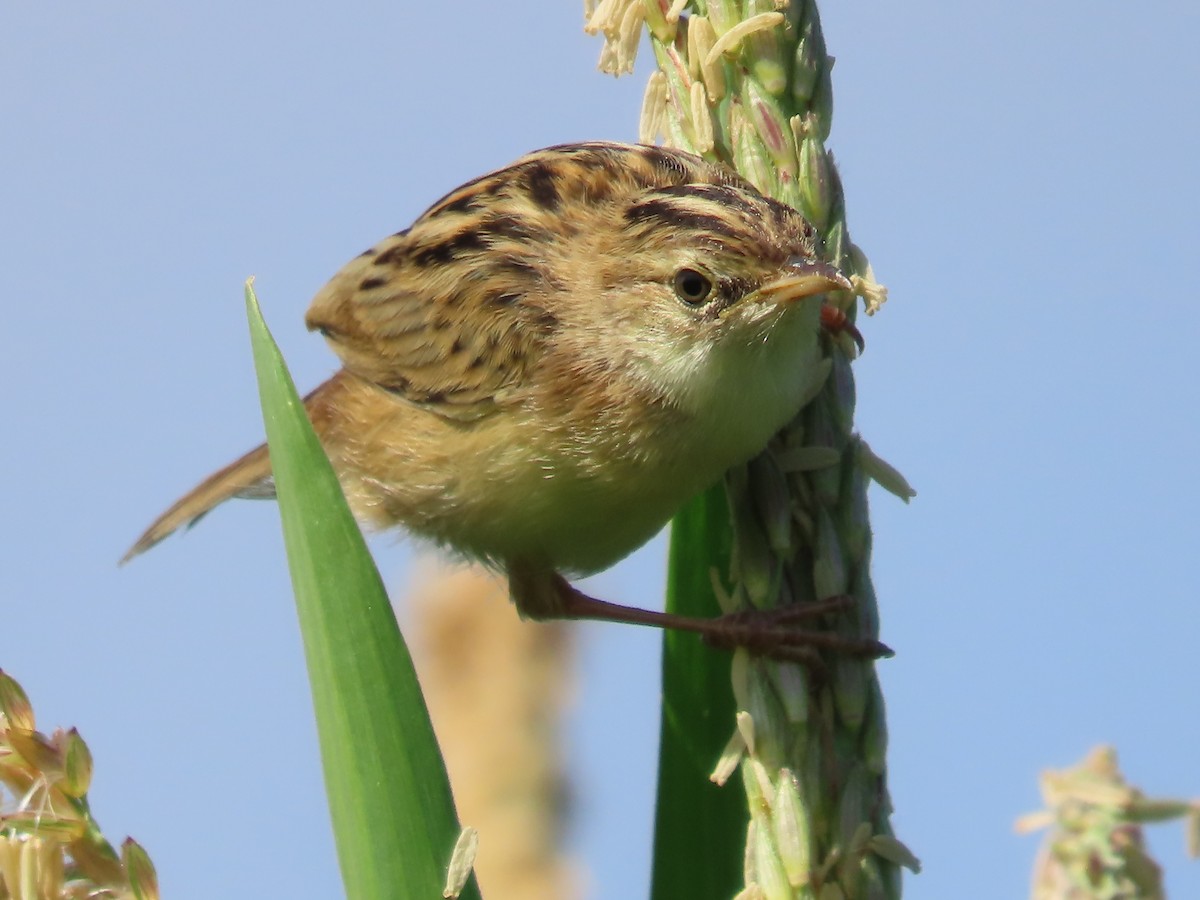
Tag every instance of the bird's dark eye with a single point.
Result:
(692, 287)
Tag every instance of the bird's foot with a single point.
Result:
(769, 632)
(774, 632)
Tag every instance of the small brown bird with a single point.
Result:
(554, 358)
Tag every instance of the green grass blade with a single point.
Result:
(699, 828)
(389, 797)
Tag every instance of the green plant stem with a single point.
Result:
(815, 768)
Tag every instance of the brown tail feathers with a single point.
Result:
(249, 476)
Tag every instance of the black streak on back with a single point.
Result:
(543, 186)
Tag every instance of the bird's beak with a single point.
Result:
(802, 278)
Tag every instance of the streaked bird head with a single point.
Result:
(611, 266)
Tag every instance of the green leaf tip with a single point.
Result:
(393, 816)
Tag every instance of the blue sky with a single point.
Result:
(1024, 178)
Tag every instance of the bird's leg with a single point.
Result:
(766, 632)
(835, 321)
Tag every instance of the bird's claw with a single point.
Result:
(772, 633)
